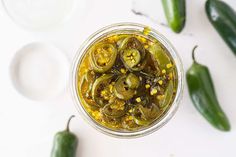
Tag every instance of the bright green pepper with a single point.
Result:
(202, 93)
(175, 14)
(223, 18)
(65, 143)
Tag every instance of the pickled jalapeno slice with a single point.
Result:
(102, 90)
(122, 90)
(145, 115)
(90, 76)
(86, 88)
(131, 57)
(102, 57)
(162, 58)
(115, 109)
(132, 81)
(132, 53)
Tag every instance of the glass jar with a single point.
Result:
(128, 28)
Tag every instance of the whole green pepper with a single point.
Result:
(65, 143)
(223, 18)
(202, 93)
(175, 14)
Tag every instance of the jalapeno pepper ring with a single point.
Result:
(103, 57)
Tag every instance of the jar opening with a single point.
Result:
(127, 28)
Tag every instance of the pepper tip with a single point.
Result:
(68, 122)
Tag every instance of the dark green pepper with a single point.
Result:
(65, 143)
(175, 14)
(202, 93)
(223, 18)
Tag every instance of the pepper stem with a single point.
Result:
(68, 123)
(193, 53)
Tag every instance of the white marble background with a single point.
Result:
(27, 127)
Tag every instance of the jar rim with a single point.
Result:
(166, 116)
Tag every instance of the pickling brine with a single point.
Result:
(126, 81)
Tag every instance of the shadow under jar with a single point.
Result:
(127, 80)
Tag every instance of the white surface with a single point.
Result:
(39, 71)
(27, 127)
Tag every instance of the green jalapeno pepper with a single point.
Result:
(223, 18)
(132, 54)
(175, 14)
(65, 143)
(203, 96)
(100, 90)
(102, 57)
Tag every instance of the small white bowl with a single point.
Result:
(39, 71)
